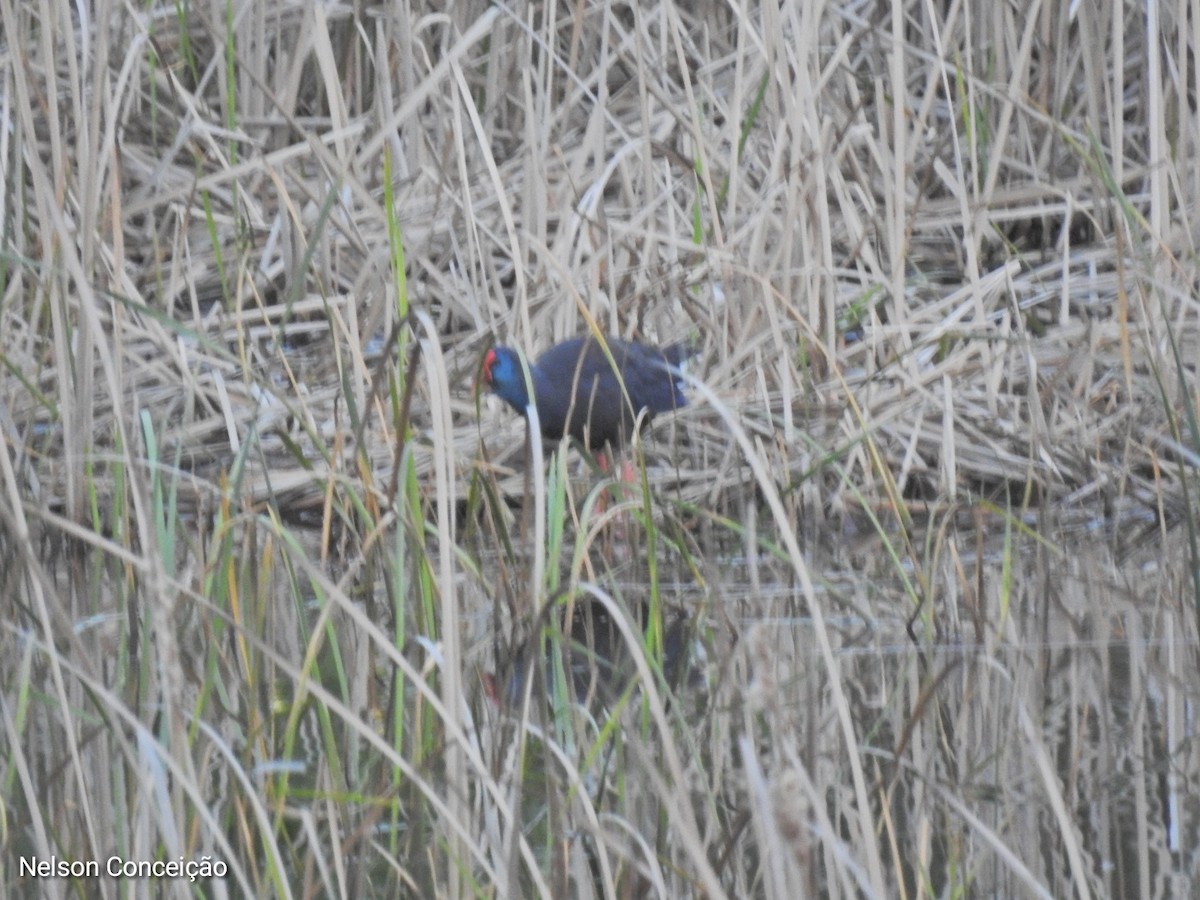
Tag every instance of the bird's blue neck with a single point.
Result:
(515, 393)
(513, 390)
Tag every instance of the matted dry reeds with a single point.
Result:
(930, 515)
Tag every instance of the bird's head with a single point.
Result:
(502, 373)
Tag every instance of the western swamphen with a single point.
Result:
(578, 392)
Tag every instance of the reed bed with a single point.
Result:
(904, 603)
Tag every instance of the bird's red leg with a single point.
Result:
(628, 473)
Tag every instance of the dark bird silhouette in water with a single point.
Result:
(597, 662)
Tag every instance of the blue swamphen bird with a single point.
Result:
(578, 391)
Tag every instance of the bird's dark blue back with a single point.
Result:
(575, 379)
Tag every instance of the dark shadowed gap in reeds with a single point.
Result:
(903, 604)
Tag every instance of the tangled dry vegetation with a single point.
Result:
(930, 516)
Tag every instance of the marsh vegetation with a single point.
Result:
(903, 603)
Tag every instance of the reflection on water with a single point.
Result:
(1027, 684)
(1022, 701)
